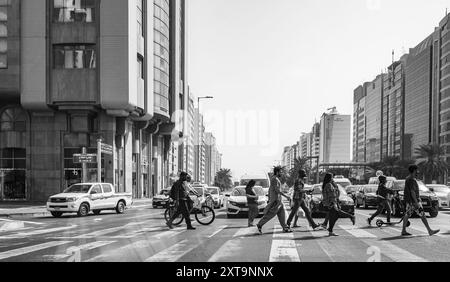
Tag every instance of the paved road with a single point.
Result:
(141, 235)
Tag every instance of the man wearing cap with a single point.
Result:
(383, 200)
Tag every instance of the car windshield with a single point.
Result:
(343, 183)
(199, 190)
(259, 182)
(78, 188)
(213, 191)
(441, 189)
(241, 192)
(372, 189)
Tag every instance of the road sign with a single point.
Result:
(85, 158)
(107, 149)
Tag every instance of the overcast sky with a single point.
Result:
(294, 57)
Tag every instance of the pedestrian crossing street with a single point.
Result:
(148, 240)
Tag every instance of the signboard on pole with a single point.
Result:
(107, 149)
(85, 158)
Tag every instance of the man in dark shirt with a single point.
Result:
(182, 202)
(383, 200)
(413, 203)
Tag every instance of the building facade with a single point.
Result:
(199, 148)
(373, 112)
(444, 83)
(73, 72)
(359, 124)
(335, 138)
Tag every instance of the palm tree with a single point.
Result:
(429, 160)
(223, 179)
(390, 163)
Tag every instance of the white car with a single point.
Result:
(443, 193)
(217, 196)
(85, 197)
(237, 202)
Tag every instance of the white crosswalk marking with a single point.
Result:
(284, 248)
(85, 247)
(137, 232)
(228, 251)
(220, 229)
(31, 249)
(21, 235)
(244, 232)
(174, 253)
(393, 252)
(356, 232)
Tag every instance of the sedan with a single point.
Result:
(367, 196)
(217, 196)
(161, 200)
(443, 193)
(315, 201)
(237, 201)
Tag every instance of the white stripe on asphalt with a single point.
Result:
(102, 232)
(137, 232)
(31, 249)
(174, 253)
(244, 232)
(11, 226)
(358, 233)
(284, 251)
(74, 249)
(220, 229)
(318, 233)
(30, 222)
(284, 248)
(37, 232)
(229, 250)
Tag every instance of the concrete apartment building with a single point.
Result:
(72, 72)
(443, 52)
(374, 94)
(199, 148)
(359, 124)
(335, 138)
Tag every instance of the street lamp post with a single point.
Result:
(200, 146)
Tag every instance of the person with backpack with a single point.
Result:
(182, 201)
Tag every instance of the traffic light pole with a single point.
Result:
(99, 160)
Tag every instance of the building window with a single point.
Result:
(68, 11)
(3, 34)
(140, 67)
(74, 57)
(13, 119)
(140, 17)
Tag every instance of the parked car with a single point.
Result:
(367, 196)
(344, 182)
(442, 192)
(237, 202)
(376, 181)
(86, 197)
(217, 196)
(430, 200)
(307, 188)
(162, 199)
(315, 201)
(205, 198)
(352, 190)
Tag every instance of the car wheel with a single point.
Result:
(83, 210)
(57, 214)
(97, 212)
(120, 209)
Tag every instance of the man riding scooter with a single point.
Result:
(384, 202)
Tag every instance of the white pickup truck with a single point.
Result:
(85, 197)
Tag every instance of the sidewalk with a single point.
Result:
(10, 209)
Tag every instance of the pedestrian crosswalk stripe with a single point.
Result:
(284, 251)
(284, 248)
(29, 222)
(21, 235)
(74, 249)
(174, 253)
(220, 229)
(31, 249)
(244, 232)
(228, 251)
(137, 232)
(356, 232)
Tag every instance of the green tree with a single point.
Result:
(223, 180)
(430, 162)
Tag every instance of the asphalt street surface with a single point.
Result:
(140, 235)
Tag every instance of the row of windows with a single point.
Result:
(3, 34)
(161, 39)
(446, 38)
(161, 63)
(161, 51)
(159, 25)
(445, 71)
(67, 11)
(161, 14)
(13, 119)
(161, 76)
(74, 57)
(446, 49)
(161, 102)
(161, 89)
